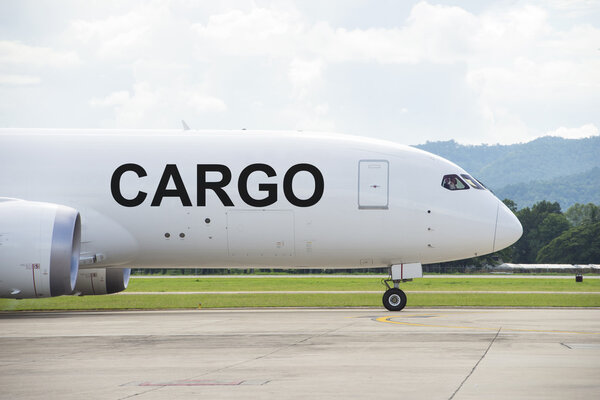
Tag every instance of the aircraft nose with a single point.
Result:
(508, 228)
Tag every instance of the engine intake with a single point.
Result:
(39, 249)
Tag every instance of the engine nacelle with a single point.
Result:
(39, 249)
(92, 281)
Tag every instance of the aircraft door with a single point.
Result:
(373, 184)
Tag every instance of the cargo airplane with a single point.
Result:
(79, 208)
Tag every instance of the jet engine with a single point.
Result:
(39, 249)
(101, 281)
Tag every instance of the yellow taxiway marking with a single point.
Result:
(389, 321)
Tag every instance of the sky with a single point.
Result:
(406, 71)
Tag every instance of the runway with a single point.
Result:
(302, 353)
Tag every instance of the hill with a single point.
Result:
(567, 190)
(539, 160)
(548, 168)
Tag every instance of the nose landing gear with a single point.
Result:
(394, 299)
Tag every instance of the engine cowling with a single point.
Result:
(39, 249)
(92, 281)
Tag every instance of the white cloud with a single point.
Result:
(431, 33)
(120, 36)
(114, 99)
(304, 74)
(19, 80)
(19, 54)
(202, 103)
(583, 131)
(506, 71)
(574, 8)
(260, 31)
(139, 108)
(258, 24)
(310, 117)
(505, 51)
(150, 106)
(504, 127)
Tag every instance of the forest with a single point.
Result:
(553, 237)
(566, 190)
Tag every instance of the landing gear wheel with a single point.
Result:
(394, 299)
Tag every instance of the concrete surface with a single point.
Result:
(302, 354)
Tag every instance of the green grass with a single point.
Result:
(295, 300)
(299, 284)
(151, 301)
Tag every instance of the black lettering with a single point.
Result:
(171, 171)
(217, 187)
(289, 192)
(115, 185)
(270, 188)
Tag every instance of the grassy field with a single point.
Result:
(298, 284)
(170, 301)
(116, 302)
(150, 301)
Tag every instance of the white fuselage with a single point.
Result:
(381, 203)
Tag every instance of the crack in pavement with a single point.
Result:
(476, 365)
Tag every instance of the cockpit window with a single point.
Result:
(454, 182)
(473, 182)
(483, 186)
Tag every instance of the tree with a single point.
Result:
(552, 226)
(578, 245)
(579, 214)
(541, 223)
(512, 206)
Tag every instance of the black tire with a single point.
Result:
(394, 299)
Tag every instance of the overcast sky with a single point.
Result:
(406, 71)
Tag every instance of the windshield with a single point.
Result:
(454, 182)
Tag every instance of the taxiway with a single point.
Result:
(302, 353)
